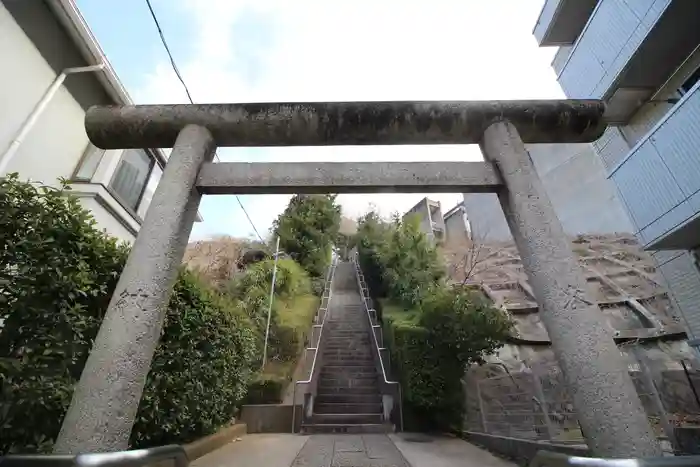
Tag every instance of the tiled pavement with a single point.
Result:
(344, 450)
(348, 450)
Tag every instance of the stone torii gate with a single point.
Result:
(105, 401)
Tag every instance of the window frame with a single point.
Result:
(152, 163)
(89, 150)
(692, 78)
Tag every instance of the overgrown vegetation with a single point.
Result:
(57, 273)
(293, 309)
(434, 330)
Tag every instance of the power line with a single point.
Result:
(167, 49)
(189, 97)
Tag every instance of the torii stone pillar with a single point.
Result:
(103, 409)
(608, 408)
(104, 405)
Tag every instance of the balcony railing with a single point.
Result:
(561, 21)
(627, 50)
(659, 180)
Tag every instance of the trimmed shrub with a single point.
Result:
(57, 273)
(267, 389)
(201, 368)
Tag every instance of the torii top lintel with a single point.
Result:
(345, 123)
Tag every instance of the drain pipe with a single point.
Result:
(38, 109)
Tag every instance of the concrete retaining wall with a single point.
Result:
(520, 450)
(270, 418)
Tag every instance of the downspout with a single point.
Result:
(37, 111)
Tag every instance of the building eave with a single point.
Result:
(74, 23)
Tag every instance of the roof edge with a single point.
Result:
(72, 20)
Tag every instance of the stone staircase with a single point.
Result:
(348, 397)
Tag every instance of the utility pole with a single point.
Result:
(272, 297)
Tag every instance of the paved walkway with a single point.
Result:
(395, 450)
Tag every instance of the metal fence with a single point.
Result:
(532, 402)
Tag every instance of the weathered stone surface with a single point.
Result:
(345, 123)
(104, 404)
(347, 177)
(368, 450)
(609, 411)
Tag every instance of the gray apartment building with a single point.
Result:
(585, 201)
(643, 58)
(429, 213)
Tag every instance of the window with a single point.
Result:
(88, 163)
(131, 177)
(151, 186)
(689, 83)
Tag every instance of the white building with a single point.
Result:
(643, 58)
(42, 134)
(429, 214)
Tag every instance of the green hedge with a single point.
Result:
(57, 272)
(266, 389)
(201, 369)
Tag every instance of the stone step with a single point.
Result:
(348, 349)
(350, 356)
(329, 386)
(345, 340)
(360, 407)
(350, 370)
(346, 418)
(349, 362)
(348, 398)
(364, 377)
(336, 428)
(328, 390)
(340, 379)
(344, 375)
(350, 344)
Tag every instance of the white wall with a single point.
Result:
(54, 146)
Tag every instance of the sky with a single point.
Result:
(315, 50)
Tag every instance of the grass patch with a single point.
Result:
(397, 314)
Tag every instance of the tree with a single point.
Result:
(399, 259)
(307, 229)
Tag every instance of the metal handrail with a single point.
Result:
(135, 458)
(555, 459)
(329, 287)
(374, 336)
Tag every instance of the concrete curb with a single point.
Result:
(208, 444)
(204, 446)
